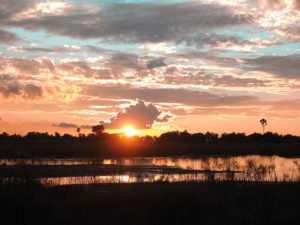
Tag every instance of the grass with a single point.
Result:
(152, 204)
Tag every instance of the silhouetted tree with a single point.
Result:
(171, 136)
(290, 138)
(198, 137)
(78, 131)
(57, 135)
(272, 137)
(234, 137)
(211, 137)
(147, 139)
(98, 129)
(4, 136)
(255, 137)
(263, 123)
(67, 137)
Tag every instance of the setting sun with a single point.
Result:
(130, 131)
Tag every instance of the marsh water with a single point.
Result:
(159, 169)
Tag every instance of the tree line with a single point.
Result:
(98, 134)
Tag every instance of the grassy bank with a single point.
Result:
(149, 204)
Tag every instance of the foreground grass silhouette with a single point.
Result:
(158, 203)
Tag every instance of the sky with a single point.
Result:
(200, 65)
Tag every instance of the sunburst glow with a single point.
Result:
(130, 131)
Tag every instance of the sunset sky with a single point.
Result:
(202, 65)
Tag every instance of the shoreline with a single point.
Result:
(96, 150)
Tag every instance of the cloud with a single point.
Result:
(217, 41)
(168, 95)
(280, 17)
(26, 66)
(8, 37)
(154, 63)
(222, 71)
(10, 8)
(297, 4)
(71, 125)
(32, 91)
(272, 3)
(140, 115)
(10, 87)
(287, 66)
(121, 62)
(141, 66)
(165, 117)
(65, 125)
(280, 4)
(137, 22)
(61, 49)
(86, 126)
(28, 91)
(260, 108)
(178, 76)
(45, 66)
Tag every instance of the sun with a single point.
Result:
(130, 131)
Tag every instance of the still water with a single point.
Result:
(184, 169)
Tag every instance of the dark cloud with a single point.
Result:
(71, 125)
(138, 22)
(168, 95)
(212, 39)
(297, 4)
(8, 37)
(27, 66)
(141, 115)
(65, 125)
(28, 91)
(174, 75)
(86, 126)
(122, 61)
(32, 91)
(208, 57)
(10, 87)
(230, 81)
(284, 66)
(39, 66)
(81, 68)
(65, 49)
(154, 63)
(47, 50)
(9, 8)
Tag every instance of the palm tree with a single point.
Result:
(263, 123)
(78, 131)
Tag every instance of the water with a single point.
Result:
(170, 169)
